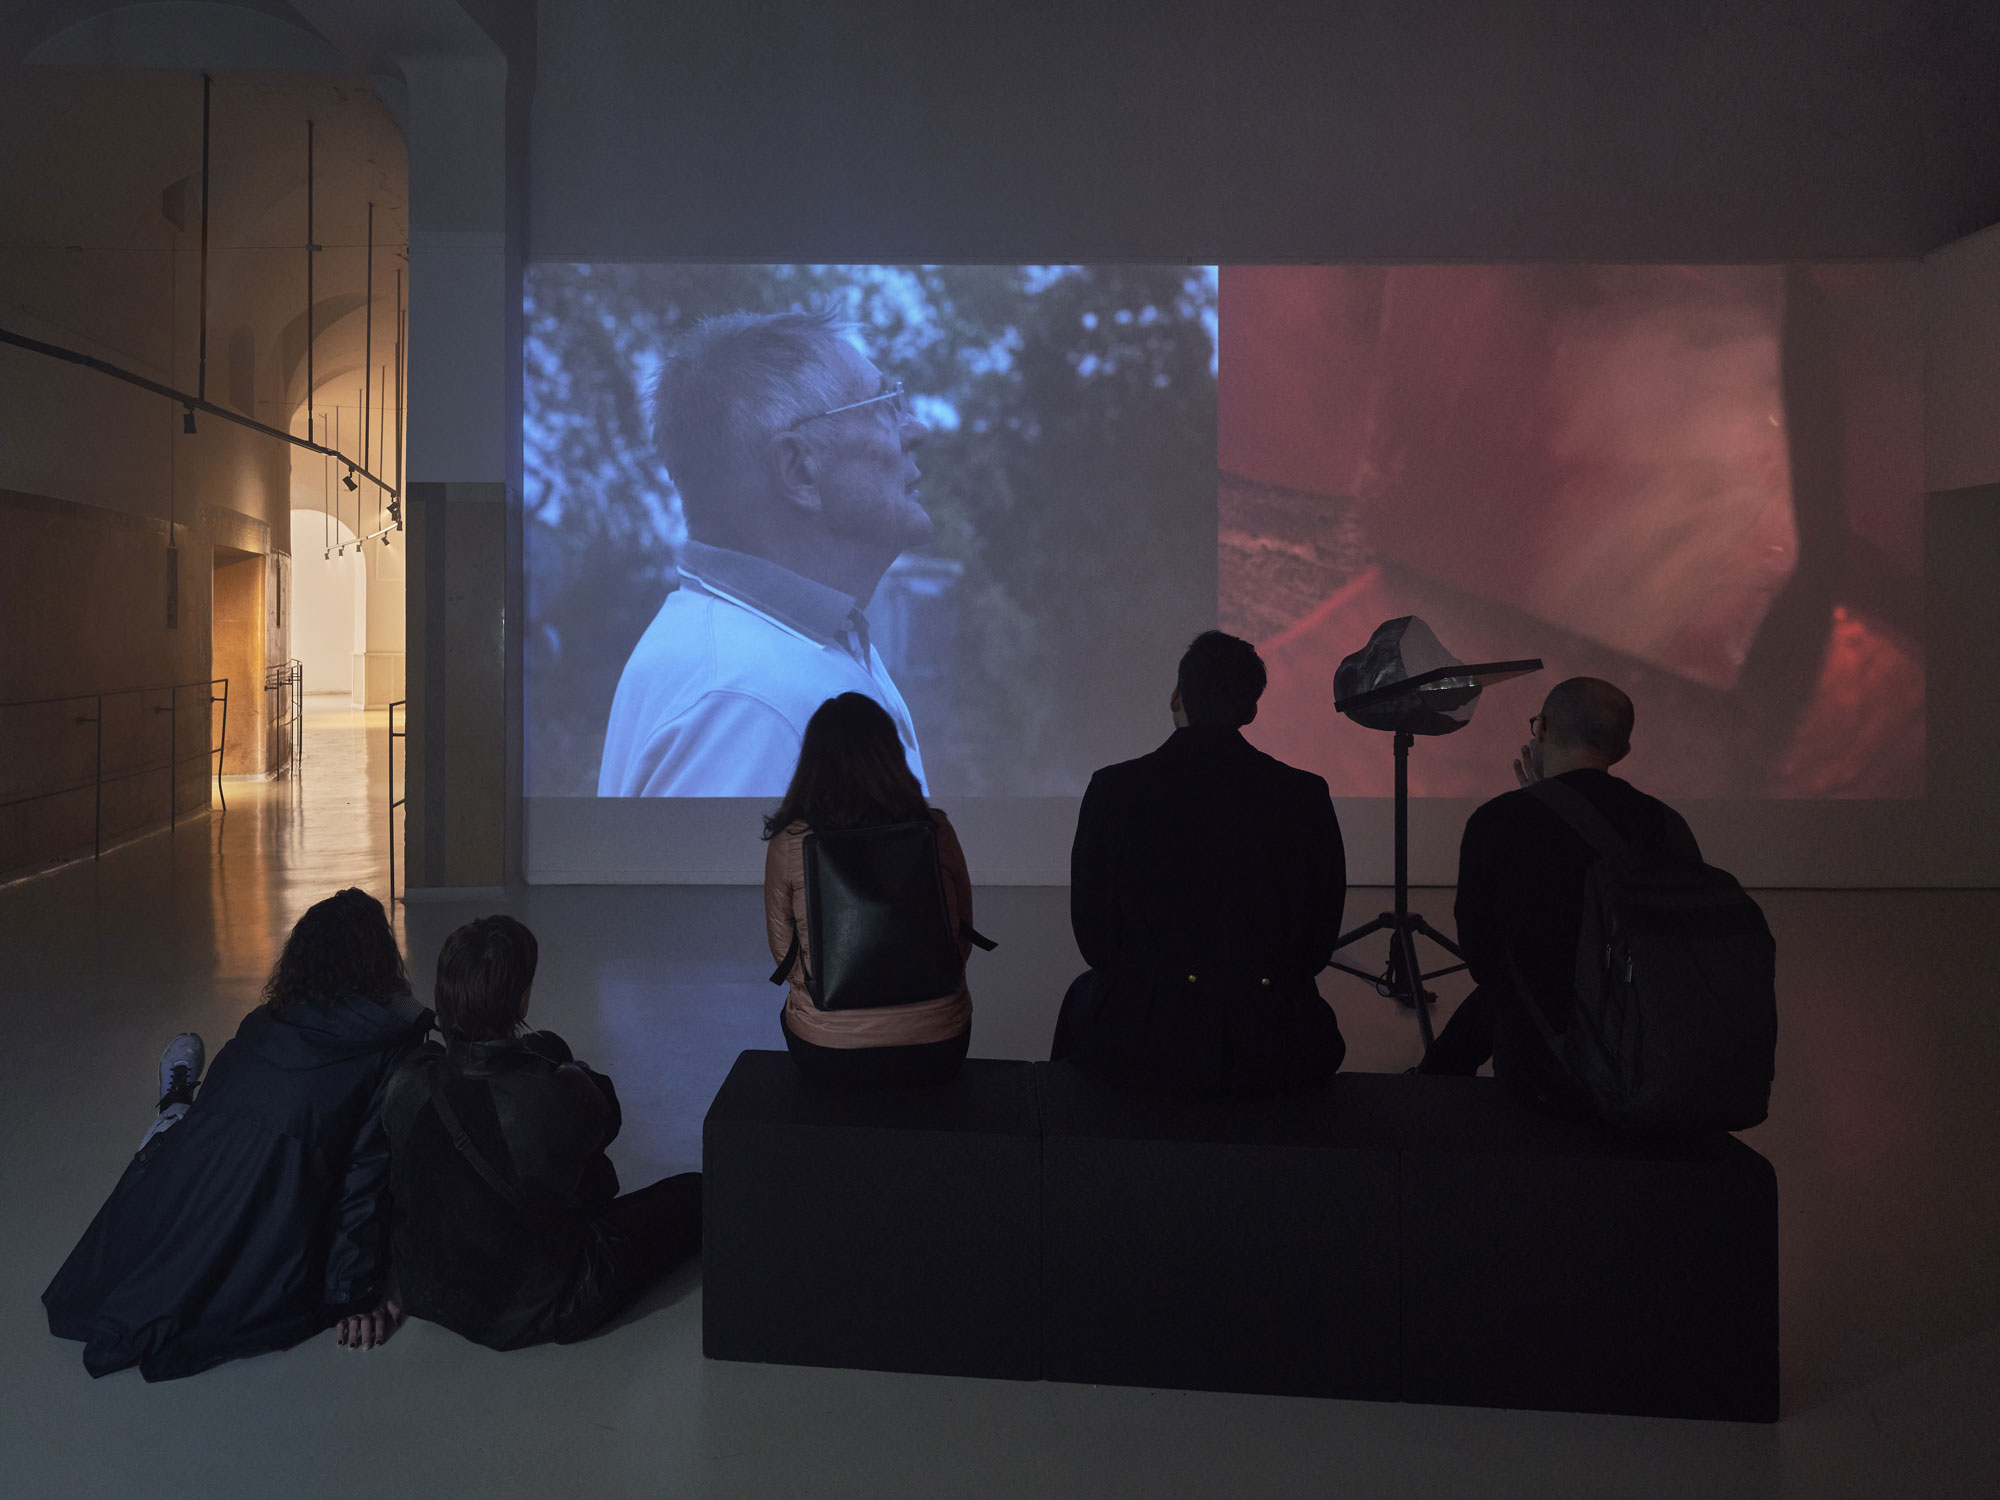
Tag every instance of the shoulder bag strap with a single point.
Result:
(975, 937)
(1535, 1012)
(1575, 809)
(488, 1173)
(784, 970)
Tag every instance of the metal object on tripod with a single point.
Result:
(1404, 681)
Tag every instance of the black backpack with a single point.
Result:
(1675, 1024)
(876, 915)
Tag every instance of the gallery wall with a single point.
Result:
(1424, 130)
(774, 131)
(101, 236)
(1962, 363)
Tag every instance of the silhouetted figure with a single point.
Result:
(1206, 887)
(1521, 872)
(509, 1228)
(256, 1212)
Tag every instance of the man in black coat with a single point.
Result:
(1521, 872)
(1206, 888)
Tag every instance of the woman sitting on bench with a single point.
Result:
(892, 1008)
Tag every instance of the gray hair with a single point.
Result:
(727, 386)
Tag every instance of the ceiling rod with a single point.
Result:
(311, 250)
(368, 338)
(201, 362)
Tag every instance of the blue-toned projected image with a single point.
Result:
(982, 495)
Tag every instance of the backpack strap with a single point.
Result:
(488, 1173)
(973, 936)
(784, 970)
(1535, 1012)
(1575, 809)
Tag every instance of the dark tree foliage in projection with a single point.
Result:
(1070, 471)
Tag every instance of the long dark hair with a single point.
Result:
(852, 772)
(341, 946)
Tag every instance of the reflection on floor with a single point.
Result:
(1882, 1131)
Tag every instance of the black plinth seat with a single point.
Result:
(1566, 1267)
(1220, 1244)
(1428, 1239)
(885, 1230)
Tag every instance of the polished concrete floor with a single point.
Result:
(1883, 1130)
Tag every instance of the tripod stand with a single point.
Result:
(1403, 979)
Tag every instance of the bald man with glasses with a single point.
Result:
(795, 459)
(1521, 871)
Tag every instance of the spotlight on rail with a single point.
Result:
(187, 420)
(348, 479)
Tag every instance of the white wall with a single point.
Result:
(328, 598)
(1426, 130)
(379, 622)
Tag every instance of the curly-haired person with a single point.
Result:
(255, 1213)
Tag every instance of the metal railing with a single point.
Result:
(99, 779)
(395, 801)
(285, 724)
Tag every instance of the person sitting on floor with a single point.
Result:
(852, 774)
(254, 1213)
(1206, 887)
(509, 1227)
(1521, 871)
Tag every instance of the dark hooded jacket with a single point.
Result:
(505, 1273)
(261, 1218)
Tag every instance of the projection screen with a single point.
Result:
(1703, 483)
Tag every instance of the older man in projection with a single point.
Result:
(795, 459)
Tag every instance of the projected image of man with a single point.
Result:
(795, 459)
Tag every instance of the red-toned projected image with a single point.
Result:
(1702, 483)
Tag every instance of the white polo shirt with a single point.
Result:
(714, 699)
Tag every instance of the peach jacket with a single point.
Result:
(892, 1025)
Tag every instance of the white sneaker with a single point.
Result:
(180, 1070)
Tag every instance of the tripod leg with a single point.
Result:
(1437, 937)
(1413, 976)
(1373, 925)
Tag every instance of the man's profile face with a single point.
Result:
(868, 469)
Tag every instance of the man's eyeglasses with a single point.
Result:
(1533, 720)
(892, 392)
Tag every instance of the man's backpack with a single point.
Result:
(1675, 1022)
(876, 916)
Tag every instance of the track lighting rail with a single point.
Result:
(190, 403)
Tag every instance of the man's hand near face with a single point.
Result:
(1528, 768)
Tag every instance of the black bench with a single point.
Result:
(1556, 1265)
(891, 1230)
(1220, 1245)
(1390, 1237)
